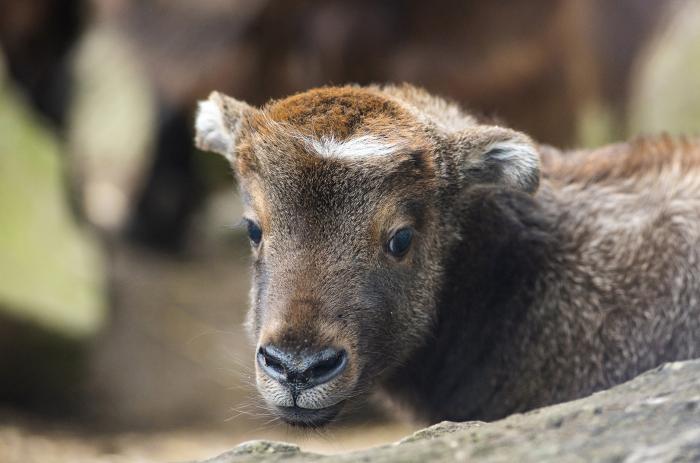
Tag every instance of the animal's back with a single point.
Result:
(622, 292)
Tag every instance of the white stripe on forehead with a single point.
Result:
(358, 147)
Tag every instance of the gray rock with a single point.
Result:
(439, 430)
(259, 450)
(653, 418)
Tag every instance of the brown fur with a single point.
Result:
(520, 288)
(641, 157)
(340, 112)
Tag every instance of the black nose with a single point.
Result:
(302, 369)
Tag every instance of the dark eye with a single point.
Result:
(400, 242)
(254, 232)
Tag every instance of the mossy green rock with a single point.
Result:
(51, 272)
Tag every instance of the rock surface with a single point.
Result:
(653, 418)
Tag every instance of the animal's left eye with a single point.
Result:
(254, 232)
(399, 243)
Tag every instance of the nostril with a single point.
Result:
(273, 362)
(325, 365)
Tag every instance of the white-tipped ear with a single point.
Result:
(217, 124)
(518, 161)
(498, 155)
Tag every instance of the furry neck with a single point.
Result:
(490, 282)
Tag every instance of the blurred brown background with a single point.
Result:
(123, 278)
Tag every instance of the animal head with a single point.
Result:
(349, 195)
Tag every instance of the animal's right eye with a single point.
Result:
(254, 232)
(400, 242)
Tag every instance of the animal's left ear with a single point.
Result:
(492, 154)
(218, 124)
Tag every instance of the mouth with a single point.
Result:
(307, 417)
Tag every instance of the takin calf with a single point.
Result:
(465, 271)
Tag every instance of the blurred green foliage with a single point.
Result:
(51, 269)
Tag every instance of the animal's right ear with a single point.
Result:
(218, 124)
